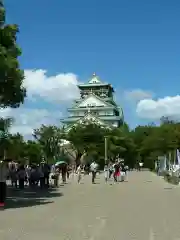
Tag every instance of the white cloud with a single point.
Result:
(155, 109)
(137, 95)
(57, 88)
(60, 88)
(25, 120)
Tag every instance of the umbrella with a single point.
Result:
(60, 163)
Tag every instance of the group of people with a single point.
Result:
(42, 174)
(32, 175)
(93, 168)
(118, 170)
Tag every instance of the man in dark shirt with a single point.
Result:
(123, 171)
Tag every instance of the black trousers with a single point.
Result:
(110, 173)
(2, 192)
(93, 176)
(21, 183)
(42, 182)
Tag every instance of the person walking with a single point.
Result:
(140, 166)
(126, 168)
(79, 171)
(32, 176)
(106, 172)
(13, 174)
(64, 172)
(93, 168)
(46, 171)
(3, 178)
(21, 176)
(111, 170)
(56, 177)
(116, 171)
(123, 172)
(68, 171)
(28, 173)
(41, 178)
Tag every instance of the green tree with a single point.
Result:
(139, 134)
(153, 141)
(15, 146)
(4, 134)
(12, 92)
(87, 140)
(11, 76)
(32, 152)
(144, 143)
(50, 138)
(122, 144)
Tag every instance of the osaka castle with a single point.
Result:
(96, 104)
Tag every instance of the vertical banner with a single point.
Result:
(162, 163)
(165, 163)
(169, 161)
(178, 156)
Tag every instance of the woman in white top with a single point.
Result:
(78, 171)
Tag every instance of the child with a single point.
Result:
(106, 172)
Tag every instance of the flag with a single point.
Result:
(162, 163)
(178, 156)
(165, 162)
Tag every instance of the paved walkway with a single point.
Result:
(144, 208)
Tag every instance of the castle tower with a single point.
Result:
(96, 104)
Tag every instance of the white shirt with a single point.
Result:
(140, 164)
(94, 166)
(79, 170)
(106, 172)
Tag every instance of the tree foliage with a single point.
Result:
(49, 137)
(144, 143)
(12, 92)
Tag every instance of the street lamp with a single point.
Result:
(105, 149)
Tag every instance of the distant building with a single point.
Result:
(95, 105)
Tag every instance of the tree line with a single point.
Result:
(143, 143)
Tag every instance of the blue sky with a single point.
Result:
(132, 44)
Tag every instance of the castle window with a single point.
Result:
(91, 105)
(96, 113)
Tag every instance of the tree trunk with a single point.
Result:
(78, 159)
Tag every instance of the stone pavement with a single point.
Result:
(144, 208)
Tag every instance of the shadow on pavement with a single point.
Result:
(30, 197)
(168, 188)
